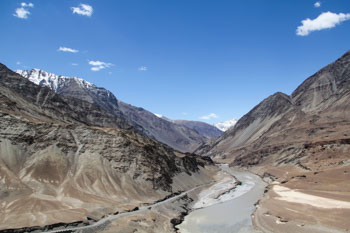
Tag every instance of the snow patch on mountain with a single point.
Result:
(223, 126)
(50, 80)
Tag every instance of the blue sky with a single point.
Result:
(184, 59)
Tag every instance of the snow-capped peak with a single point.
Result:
(164, 118)
(50, 80)
(223, 126)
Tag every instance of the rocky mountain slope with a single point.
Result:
(204, 129)
(176, 136)
(63, 159)
(312, 112)
(302, 143)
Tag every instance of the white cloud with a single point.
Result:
(65, 49)
(23, 4)
(143, 68)
(99, 65)
(83, 9)
(209, 116)
(317, 4)
(75, 64)
(18, 63)
(223, 126)
(323, 21)
(23, 11)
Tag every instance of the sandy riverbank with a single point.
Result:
(221, 191)
(305, 201)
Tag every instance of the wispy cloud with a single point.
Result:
(23, 4)
(99, 65)
(65, 49)
(317, 4)
(209, 116)
(83, 9)
(75, 64)
(323, 21)
(23, 11)
(18, 63)
(143, 68)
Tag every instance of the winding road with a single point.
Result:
(113, 217)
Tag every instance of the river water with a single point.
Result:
(233, 216)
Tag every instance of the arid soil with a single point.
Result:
(305, 201)
(165, 217)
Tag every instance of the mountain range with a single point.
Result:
(204, 129)
(63, 159)
(313, 112)
(71, 152)
(174, 134)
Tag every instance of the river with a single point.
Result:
(233, 216)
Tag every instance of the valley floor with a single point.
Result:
(166, 216)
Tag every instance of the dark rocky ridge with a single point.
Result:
(174, 135)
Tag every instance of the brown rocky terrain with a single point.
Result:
(300, 143)
(66, 160)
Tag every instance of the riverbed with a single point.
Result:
(231, 216)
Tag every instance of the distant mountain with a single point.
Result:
(71, 160)
(223, 126)
(174, 135)
(202, 128)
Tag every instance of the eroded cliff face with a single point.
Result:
(326, 87)
(63, 159)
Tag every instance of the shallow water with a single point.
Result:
(230, 216)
